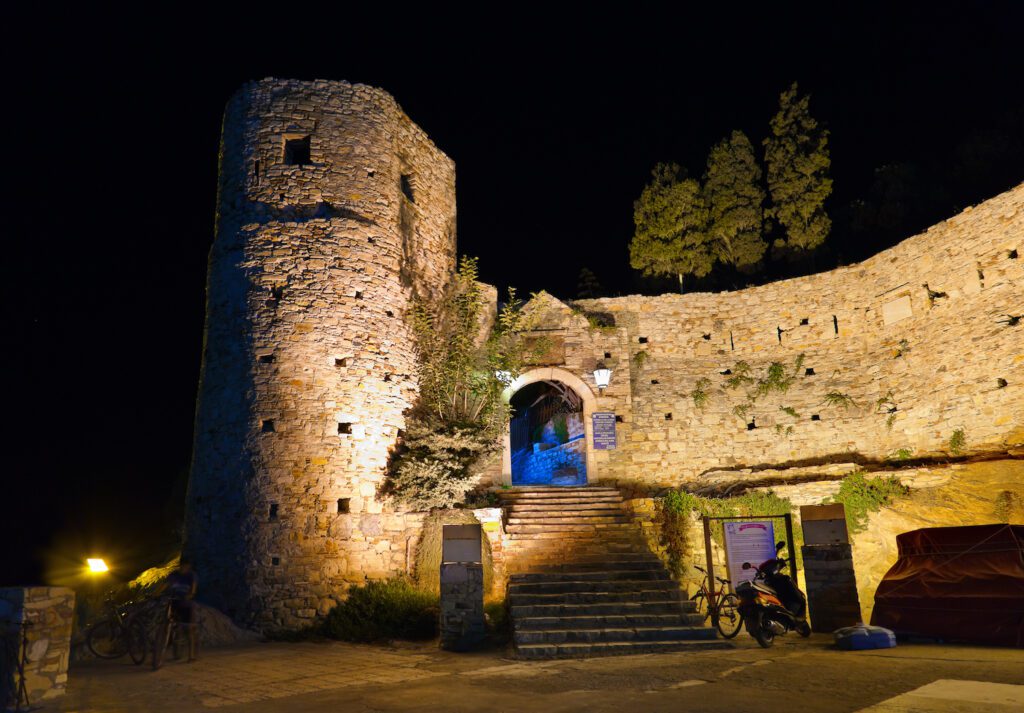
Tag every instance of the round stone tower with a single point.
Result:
(334, 210)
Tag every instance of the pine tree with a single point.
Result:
(587, 285)
(735, 200)
(671, 220)
(797, 162)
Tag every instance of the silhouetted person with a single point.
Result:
(181, 585)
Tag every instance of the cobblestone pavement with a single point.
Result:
(795, 675)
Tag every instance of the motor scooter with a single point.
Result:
(771, 604)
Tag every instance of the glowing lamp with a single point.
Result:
(97, 565)
(602, 376)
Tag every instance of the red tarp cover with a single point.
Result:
(956, 583)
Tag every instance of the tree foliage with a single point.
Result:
(463, 366)
(671, 220)
(797, 162)
(735, 202)
(587, 285)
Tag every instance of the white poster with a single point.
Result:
(752, 542)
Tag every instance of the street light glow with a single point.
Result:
(97, 565)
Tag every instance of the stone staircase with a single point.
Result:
(584, 583)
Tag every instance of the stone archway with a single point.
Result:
(580, 388)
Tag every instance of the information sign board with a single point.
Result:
(752, 541)
(604, 430)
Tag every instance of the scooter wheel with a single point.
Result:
(804, 629)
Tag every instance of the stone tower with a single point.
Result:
(334, 210)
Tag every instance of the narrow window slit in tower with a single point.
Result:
(344, 505)
(835, 324)
(642, 340)
(732, 345)
(706, 337)
(779, 331)
(296, 151)
(809, 372)
(267, 425)
(340, 361)
(273, 511)
(344, 428)
(668, 417)
(275, 561)
(607, 355)
(805, 321)
(1001, 383)
(266, 358)
(407, 187)
(256, 172)
(815, 417)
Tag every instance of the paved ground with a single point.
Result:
(796, 675)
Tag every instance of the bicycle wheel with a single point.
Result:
(729, 619)
(137, 640)
(106, 640)
(161, 639)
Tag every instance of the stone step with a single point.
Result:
(563, 496)
(580, 571)
(610, 621)
(570, 527)
(548, 562)
(567, 518)
(599, 597)
(666, 606)
(615, 648)
(591, 635)
(603, 585)
(560, 508)
(528, 491)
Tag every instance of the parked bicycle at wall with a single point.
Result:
(121, 631)
(173, 629)
(721, 605)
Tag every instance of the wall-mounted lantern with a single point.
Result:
(602, 376)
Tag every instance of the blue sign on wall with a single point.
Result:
(604, 431)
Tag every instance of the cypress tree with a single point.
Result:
(587, 285)
(735, 201)
(797, 162)
(671, 219)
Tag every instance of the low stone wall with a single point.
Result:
(49, 611)
(539, 465)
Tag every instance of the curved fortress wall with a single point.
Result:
(920, 337)
(334, 210)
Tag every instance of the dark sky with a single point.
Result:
(554, 123)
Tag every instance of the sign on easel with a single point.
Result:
(751, 541)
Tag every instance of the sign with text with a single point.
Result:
(604, 431)
(752, 542)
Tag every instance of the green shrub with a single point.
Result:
(499, 624)
(387, 609)
(561, 428)
(861, 496)
(700, 393)
(957, 442)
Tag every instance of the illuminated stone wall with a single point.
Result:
(924, 326)
(334, 210)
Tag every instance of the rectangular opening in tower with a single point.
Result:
(407, 187)
(344, 428)
(344, 505)
(296, 150)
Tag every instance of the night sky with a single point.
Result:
(554, 122)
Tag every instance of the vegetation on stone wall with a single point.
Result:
(381, 610)
(861, 496)
(957, 442)
(676, 514)
(462, 373)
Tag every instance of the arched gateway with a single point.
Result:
(548, 439)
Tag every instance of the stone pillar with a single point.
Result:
(48, 612)
(831, 586)
(462, 588)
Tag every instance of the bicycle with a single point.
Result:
(721, 605)
(167, 634)
(120, 632)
